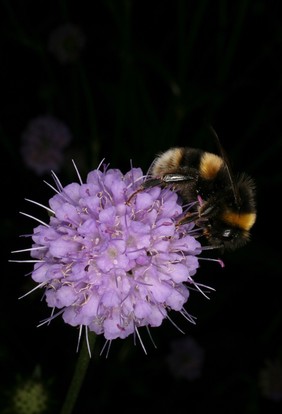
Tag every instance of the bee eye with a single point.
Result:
(227, 234)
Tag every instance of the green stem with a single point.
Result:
(79, 374)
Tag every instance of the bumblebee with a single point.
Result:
(223, 205)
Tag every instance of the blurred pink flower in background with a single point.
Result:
(270, 380)
(186, 358)
(66, 42)
(43, 142)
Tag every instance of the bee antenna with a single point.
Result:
(227, 164)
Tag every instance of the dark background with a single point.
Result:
(152, 74)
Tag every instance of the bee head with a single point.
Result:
(223, 235)
(230, 226)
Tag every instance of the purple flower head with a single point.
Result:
(43, 142)
(66, 42)
(112, 262)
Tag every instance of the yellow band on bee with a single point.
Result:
(210, 165)
(244, 220)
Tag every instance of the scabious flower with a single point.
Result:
(186, 358)
(43, 143)
(112, 258)
(66, 42)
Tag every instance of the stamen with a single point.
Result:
(101, 163)
(197, 286)
(53, 188)
(34, 218)
(221, 263)
(48, 320)
(41, 205)
(188, 317)
(27, 261)
(32, 290)
(140, 340)
(149, 333)
(87, 341)
(29, 250)
(57, 181)
(108, 342)
(174, 324)
(77, 172)
(133, 183)
(79, 337)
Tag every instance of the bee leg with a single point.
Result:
(174, 178)
(152, 182)
(188, 218)
(167, 179)
(133, 195)
(195, 216)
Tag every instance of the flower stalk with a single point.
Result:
(79, 373)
